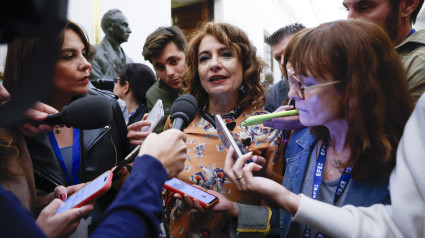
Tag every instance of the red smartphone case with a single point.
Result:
(99, 192)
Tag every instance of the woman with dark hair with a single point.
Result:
(133, 82)
(17, 179)
(223, 74)
(350, 90)
(153, 166)
(68, 156)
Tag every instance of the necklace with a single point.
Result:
(336, 157)
(336, 163)
(57, 129)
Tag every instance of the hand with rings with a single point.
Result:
(224, 205)
(234, 168)
(242, 176)
(240, 172)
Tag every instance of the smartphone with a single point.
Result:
(129, 158)
(178, 186)
(227, 138)
(156, 115)
(90, 192)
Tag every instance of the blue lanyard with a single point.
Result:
(412, 31)
(76, 155)
(318, 176)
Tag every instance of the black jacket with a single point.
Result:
(138, 114)
(101, 149)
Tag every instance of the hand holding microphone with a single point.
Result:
(38, 112)
(286, 122)
(87, 113)
(254, 120)
(183, 111)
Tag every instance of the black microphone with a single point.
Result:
(104, 83)
(85, 113)
(183, 111)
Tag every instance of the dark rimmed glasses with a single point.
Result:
(297, 81)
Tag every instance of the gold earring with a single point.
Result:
(405, 17)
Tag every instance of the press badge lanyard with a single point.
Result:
(76, 155)
(318, 176)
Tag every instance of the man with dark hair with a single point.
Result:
(397, 18)
(278, 41)
(110, 57)
(165, 49)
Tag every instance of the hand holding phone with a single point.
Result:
(88, 193)
(178, 186)
(156, 115)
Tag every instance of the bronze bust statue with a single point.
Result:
(110, 57)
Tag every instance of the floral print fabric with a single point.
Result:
(204, 167)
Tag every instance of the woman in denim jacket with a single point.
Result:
(350, 90)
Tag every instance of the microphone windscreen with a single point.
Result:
(184, 107)
(90, 112)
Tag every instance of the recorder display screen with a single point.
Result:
(191, 190)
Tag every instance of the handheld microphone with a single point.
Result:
(207, 117)
(183, 111)
(254, 120)
(84, 113)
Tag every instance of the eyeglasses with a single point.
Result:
(115, 80)
(297, 81)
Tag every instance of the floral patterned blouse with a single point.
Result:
(204, 167)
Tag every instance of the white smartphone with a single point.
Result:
(227, 138)
(156, 115)
(90, 192)
(178, 186)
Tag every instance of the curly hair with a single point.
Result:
(376, 101)
(253, 93)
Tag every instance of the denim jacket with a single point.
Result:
(301, 144)
(360, 193)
